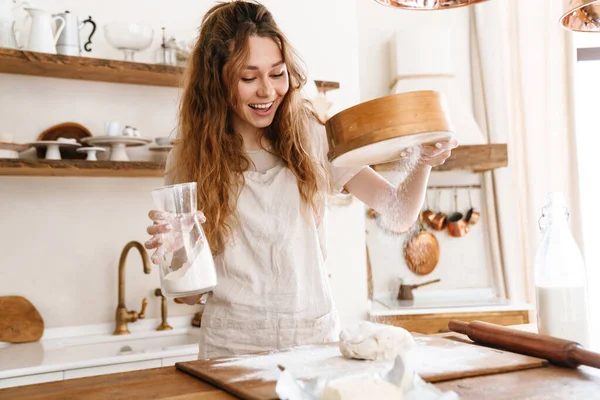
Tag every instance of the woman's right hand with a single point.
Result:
(160, 226)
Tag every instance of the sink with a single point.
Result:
(80, 351)
(433, 299)
(130, 344)
(440, 303)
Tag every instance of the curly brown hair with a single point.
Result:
(208, 151)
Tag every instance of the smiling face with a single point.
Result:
(262, 85)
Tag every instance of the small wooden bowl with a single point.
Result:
(67, 130)
(376, 132)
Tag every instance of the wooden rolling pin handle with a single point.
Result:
(458, 326)
(586, 357)
(558, 351)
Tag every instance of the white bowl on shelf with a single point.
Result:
(128, 37)
(163, 141)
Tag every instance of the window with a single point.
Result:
(587, 124)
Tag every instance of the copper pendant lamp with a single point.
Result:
(428, 5)
(581, 16)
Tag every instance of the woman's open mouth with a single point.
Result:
(262, 109)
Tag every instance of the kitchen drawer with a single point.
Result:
(31, 379)
(113, 368)
(169, 361)
(438, 323)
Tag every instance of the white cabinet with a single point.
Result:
(31, 379)
(98, 370)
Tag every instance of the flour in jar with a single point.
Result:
(192, 278)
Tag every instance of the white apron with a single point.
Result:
(272, 290)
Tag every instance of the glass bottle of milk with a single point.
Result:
(560, 277)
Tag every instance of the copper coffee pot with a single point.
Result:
(406, 291)
(438, 220)
(457, 226)
(472, 216)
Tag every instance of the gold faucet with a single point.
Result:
(164, 325)
(197, 319)
(123, 315)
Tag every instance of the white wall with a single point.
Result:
(60, 238)
(464, 262)
(376, 27)
(587, 140)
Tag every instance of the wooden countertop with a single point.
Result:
(169, 383)
(157, 383)
(549, 383)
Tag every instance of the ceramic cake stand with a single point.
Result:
(117, 144)
(53, 147)
(91, 152)
(12, 150)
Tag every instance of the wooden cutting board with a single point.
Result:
(20, 321)
(253, 377)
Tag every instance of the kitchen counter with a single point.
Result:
(430, 311)
(549, 383)
(76, 352)
(432, 302)
(157, 383)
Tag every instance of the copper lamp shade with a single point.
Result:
(581, 15)
(428, 5)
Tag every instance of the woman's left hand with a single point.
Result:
(434, 154)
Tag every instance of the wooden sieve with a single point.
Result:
(376, 131)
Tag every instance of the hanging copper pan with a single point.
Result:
(422, 251)
(377, 131)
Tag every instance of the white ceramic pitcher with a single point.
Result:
(42, 37)
(8, 34)
(7, 7)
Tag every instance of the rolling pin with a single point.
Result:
(561, 352)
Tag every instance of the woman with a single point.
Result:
(257, 153)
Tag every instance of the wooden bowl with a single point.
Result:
(67, 130)
(376, 132)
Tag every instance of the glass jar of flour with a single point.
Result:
(186, 263)
(560, 277)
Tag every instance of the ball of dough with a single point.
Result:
(370, 341)
(361, 389)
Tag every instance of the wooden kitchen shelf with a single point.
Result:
(476, 158)
(116, 169)
(86, 68)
